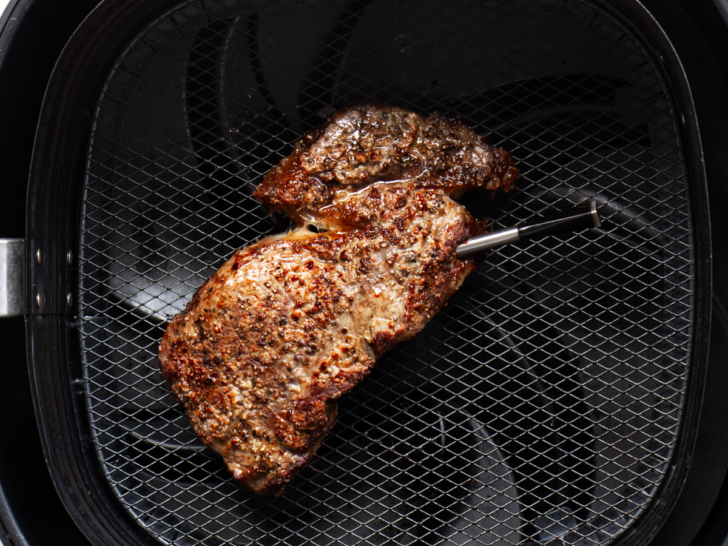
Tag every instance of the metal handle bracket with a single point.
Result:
(12, 277)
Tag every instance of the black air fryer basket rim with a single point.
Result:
(52, 228)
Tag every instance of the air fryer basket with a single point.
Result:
(545, 405)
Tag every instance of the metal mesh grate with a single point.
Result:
(541, 406)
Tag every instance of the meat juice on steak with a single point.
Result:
(270, 342)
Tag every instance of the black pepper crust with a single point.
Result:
(270, 342)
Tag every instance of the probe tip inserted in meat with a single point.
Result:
(580, 217)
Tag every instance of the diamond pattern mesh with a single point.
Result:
(540, 407)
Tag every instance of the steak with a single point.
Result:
(286, 326)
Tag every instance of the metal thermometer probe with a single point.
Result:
(580, 217)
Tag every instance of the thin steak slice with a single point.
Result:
(270, 342)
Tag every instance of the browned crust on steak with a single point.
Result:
(270, 342)
(365, 144)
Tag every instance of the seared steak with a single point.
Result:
(270, 342)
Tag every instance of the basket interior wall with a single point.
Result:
(542, 404)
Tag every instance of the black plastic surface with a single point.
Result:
(699, 32)
(30, 511)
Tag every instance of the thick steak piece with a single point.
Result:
(286, 326)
